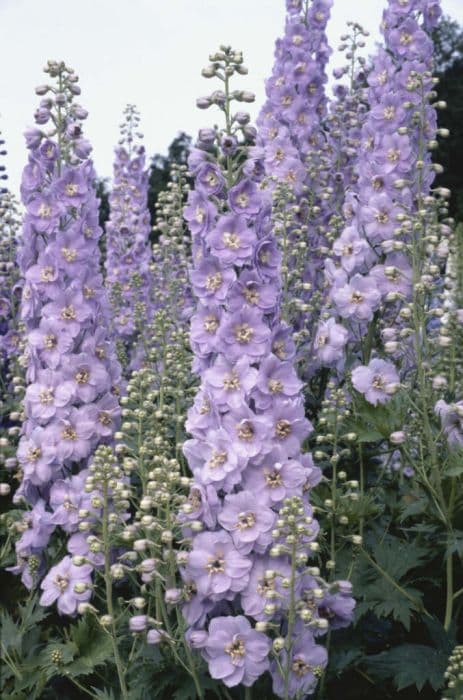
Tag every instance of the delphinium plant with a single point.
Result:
(293, 150)
(70, 403)
(131, 533)
(11, 373)
(128, 252)
(391, 441)
(254, 602)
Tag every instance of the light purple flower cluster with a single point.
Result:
(293, 148)
(247, 422)
(128, 249)
(371, 268)
(71, 402)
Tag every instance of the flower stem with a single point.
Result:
(109, 593)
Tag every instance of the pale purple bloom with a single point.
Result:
(357, 300)
(232, 241)
(254, 597)
(275, 477)
(230, 382)
(235, 653)
(245, 198)
(377, 381)
(451, 416)
(248, 432)
(308, 661)
(276, 380)
(249, 521)
(330, 341)
(244, 333)
(213, 460)
(67, 584)
(217, 567)
(211, 281)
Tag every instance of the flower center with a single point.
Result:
(356, 298)
(71, 189)
(214, 282)
(406, 38)
(104, 418)
(242, 200)
(231, 381)
(243, 333)
(69, 254)
(393, 155)
(275, 386)
(236, 650)
(273, 479)
(47, 274)
(82, 376)
(68, 313)
(216, 564)
(389, 113)
(69, 433)
(218, 458)
(50, 342)
(33, 454)
(251, 295)
(231, 240)
(211, 323)
(44, 211)
(46, 396)
(62, 582)
(283, 428)
(278, 348)
(205, 407)
(300, 668)
(246, 520)
(378, 382)
(245, 430)
(382, 217)
(200, 215)
(211, 178)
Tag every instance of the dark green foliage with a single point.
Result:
(449, 64)
(160, 168)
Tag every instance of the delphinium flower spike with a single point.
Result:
(71, 402)
(248, 515)
(128, 247)
(293, 150)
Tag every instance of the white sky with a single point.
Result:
(147, 52)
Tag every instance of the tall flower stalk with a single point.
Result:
(248, 516)
(71, 402)
(128, 246)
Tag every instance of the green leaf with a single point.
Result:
(386, 589)
(454, 466)
(10, 633)
(410, 664)
(93, 646)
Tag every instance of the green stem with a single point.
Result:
(449, 592)
(291, 620)
(109, 593)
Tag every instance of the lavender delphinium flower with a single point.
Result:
(377, 382)
(72, 373)
(251, 483)
(128, 251)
